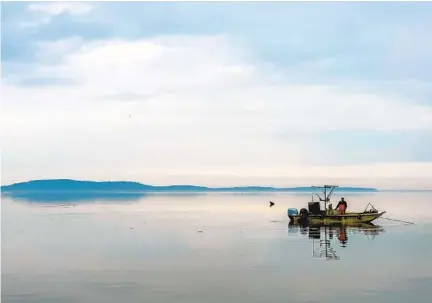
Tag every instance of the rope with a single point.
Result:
(397, 220)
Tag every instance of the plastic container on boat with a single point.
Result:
(292, 211)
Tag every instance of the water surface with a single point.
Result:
(211, 248)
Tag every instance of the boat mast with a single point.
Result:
(325, 198)
(326, 195)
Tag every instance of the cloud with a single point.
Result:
(58, 8)
(224, 113)
(45, 12)
(161, 93)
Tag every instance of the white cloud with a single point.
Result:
(46, 11)
(58, 8)
(200, 106)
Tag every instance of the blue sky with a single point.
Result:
(217, 93)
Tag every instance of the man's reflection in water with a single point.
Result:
(342, 236)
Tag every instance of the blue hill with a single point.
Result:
(56, 185)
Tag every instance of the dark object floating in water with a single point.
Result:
(271, 203)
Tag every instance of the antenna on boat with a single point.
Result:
(326, 193)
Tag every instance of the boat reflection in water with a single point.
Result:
(322, 236)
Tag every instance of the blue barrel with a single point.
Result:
(292, 211)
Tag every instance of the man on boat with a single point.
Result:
(342, 206)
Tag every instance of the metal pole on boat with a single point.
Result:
(325, 198)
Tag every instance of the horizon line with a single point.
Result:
(182, 184)
(210, 188)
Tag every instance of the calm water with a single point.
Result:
(210, 248)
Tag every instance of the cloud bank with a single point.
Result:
(200, 108)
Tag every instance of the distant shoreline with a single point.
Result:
(69, 185)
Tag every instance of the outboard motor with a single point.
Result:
(292, 212)
(304, 217)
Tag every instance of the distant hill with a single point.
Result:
(56, 185)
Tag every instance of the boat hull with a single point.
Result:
(344, 219)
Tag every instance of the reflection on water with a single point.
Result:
(210, 248)
(78, 197)
(322, 236)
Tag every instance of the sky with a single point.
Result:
(218, 93)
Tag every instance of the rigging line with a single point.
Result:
(397, 220)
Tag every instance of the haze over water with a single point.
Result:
(211, 248)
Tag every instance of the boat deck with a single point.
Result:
(352, 217)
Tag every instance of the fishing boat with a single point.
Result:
(316, 215)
